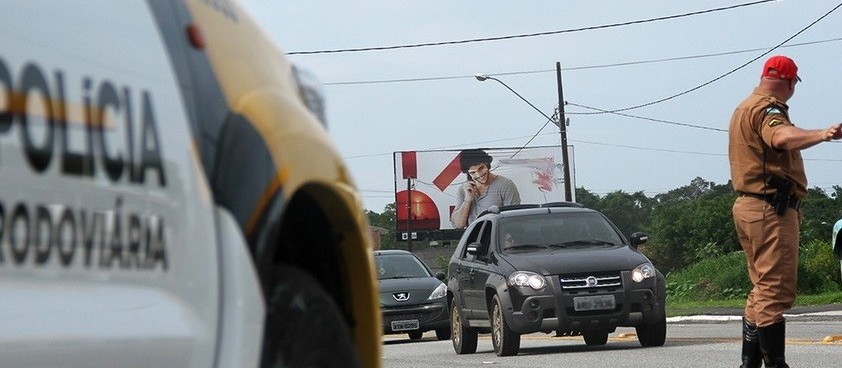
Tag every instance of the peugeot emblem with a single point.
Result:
(401, 297)
(591, 281)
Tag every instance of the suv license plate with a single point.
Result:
(595, 302)
(407, 325)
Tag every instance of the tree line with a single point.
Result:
(685, 225)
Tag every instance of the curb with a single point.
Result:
(835, 315)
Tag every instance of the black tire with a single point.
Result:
(654, 334)
(595, 338)
(505, 341)
(464, 337)
(415, 335)
(304, 327)
(443, 334)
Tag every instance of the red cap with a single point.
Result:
(780, 67)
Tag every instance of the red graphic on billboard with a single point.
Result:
(425, 214)
(450, 172)
(410, 165)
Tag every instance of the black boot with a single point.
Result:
(751, 346)
(772, 343)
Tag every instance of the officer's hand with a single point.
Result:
(833, 133)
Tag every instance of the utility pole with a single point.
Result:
(562, 126)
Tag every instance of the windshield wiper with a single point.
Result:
(581, 242)
(525, 246)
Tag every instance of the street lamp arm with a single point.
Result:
(568, 191)
(482, 78)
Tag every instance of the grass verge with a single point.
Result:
(690, 308)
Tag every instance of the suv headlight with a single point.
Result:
(440, 292)
(643, 272)
(530, 279)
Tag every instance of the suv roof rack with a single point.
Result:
(563, 204)
(497, 209)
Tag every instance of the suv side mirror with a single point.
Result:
(473, 248)
(441, 276)
(638, 239)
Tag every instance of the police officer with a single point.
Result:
(764, 151)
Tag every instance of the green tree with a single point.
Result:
(692, 223)
(820, 211)
(630, 212)
(587, 198)
(385, 220)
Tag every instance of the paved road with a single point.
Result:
(814, 339)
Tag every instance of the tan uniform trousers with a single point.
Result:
(770, 242)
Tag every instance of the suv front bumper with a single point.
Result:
(634, 306)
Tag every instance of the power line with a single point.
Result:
(645, 118)
(717, 78)
(598, 144)
(586, 67)
(526, 35)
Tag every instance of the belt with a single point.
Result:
(794, 203)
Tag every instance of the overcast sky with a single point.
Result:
(422, 98)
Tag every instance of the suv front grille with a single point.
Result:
(589, 283)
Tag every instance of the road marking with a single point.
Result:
(832, 339)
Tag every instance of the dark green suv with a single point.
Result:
(555, 267)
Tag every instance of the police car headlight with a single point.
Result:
(527, 279)
(440, 292)
(643, 272)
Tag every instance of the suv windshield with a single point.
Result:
(558, 230)
(399, 266)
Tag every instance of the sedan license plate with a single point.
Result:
(407, 325)
(595, 302)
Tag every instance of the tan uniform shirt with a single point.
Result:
(754, 123)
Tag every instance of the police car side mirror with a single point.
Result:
(836, 243)
(473, 248)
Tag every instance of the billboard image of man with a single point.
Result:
(482, 189)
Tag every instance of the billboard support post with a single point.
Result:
(409, 214)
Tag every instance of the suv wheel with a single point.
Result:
(464, 337)
(654, 334)
(415, 335)
(595, 338)
(506, 342)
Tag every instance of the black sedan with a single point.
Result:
(412, 300)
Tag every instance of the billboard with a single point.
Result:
(430, 182)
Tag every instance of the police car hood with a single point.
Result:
(577, 260)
